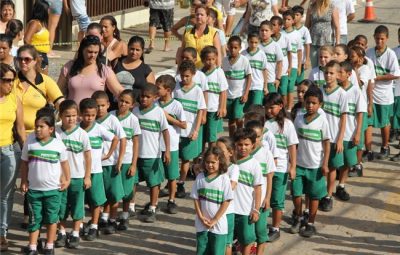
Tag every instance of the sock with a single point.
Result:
(50, 246)
(112, 220)
(181, 182)
(310, 223)
(93, 226)
(307, 211)
(33, 247)
(62, 232)
(105, 216)
(152, 208)
(132, 206)
(171, 200)
(124, 215)
(81, 226)
(341, 185)
(275, 229)
(75, 233)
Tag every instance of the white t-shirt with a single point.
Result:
(269, 142)
(356, 103)
(216, 84)
(236, 75)
(284, 139)
(152, 123)
(258, 63)
(225, 7)
(285, 44)
(353, 78)
(97, 136)
(192, 101)
(305, 39)
(199, 79)
(260, 11)
(335, 104)
(317, 76)
(386, 63)
(233, 174)
(397, 82)
(295, 45)
(44, 162)
(310, 151)
(77, 142)
(345, 7)
(303, 111)
(274, 54)
(364, 73)
(211, 193)
(130, 125)
(250, 175)
(174, 109)
(112, 124)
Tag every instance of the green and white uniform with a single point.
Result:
(236, 75)
(258, 63)
(356, 104)
(199, 79)
(217, 83)
(396, 106)
(317, 76)
(285, 44)
(274, 54)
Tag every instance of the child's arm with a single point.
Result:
(370, 89)
(255, 213)
(24, 176)
(204, 119)
(299, 60)
(359, 119)
(269, 190)
(307, 63)
(121, 153)
(221, 211)
(278, 74)
(135, 142)
(167, 156)
(245, 96)
(265, 77)
(87, 155)
(175, 122)
(342, 127)
(386, 77)
(199, 213)
(221, 113)
(292, 161)
(289, 57)
(233, 185)
(199, 118)
(66, 175)
(327, 149)
(113, 146)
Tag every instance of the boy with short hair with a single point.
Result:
(95, 195)
(76, 140)
(176, 121)
(111, 166)
(312, 162)
(154, 125)
(336, 109)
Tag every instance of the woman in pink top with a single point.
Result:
(81, 77)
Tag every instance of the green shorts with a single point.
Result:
(230, 218)
(335, 159)
(244, 229)
(271, 87)
(200, 139)
(210, 243)
(95, 195)
(279, 183)
(112, 184)
(382, 115)
(261, 227)
(212, 126)
(128, 182)
(171, 171)
(234, 109)
(396, 113)
(151, 170)
(284, 85)
(300, 77)
(189, 149)
(73, 201)
(349, 154)
(292, 80)
(310, 182)
(44, 208)
(256, 97)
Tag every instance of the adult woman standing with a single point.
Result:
(7, 9)
(114, 47)
(323, 21)
(11, 117)
(81, 77)
(131, 70)
(201, 35)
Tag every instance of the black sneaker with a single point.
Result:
(48, 251)
(359, 170)
(273, 235)
(83, 230)
(180, 191)
(92, 234)
(395, 158)
(353, 171)
(392, 135)
(150, 216)
(172, 208)
(295, 227)
(306, 217)
(146, 208)
(164, 192)
(342, 194)
(123, 224)
(368, 156)
(326, 204)
(61, 240)
(111, 228)
(308, 231)
(132, 212)
(102, 223)
(384, 154)
(31, 252)
(73, 242)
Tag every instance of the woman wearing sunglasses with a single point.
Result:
(11, 118)
(81, 77)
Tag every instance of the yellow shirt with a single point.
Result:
(32, 100)
(219, 13)
(207, 39)
(8, 114)
(41, 40)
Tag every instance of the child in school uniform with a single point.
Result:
(176, 122)
(212, 194)
(154, 125)
(77, 142)
(396, 106)
(111, 166)
(325, 54)
(44, 173)
(95, 196)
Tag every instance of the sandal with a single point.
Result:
(148, 50)
(3, 244)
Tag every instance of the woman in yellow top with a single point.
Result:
(37, 34)
(11, 117)
(201, 35)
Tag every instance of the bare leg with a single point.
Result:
(172, 189)
(313, 210)
(276, 218)
(184, 170)
(368, 138)
(285, 102)
(385, 133)
(152, 35)
(51, 233)
(297, 205)
(95, 215)
(239, 123)
(53, 23)
(331, 181)
(343, 174)
(77, 225)
(246, 249)
(232, 127)
(107, 208)
(114, 210)
(261, 248)
(81, 34)
(154, 191)
(167, 36)
(33, 237)
(290, 101)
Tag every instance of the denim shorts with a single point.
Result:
(55, 6)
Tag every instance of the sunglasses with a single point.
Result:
(92, 38)
(7, 80)
(25, 59)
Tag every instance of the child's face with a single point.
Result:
(276, 27)
(88, 116)
(301, 90)
(354, 58)
(288, 21)
(253, 43)
(210, 60)
(265, 32)
(244, 147)
(42, 130)
(125, 103)
(188, 56)
(340, 55)
(102, 107)
(259, 133)
(324, 57)
(228, 154)
(147, 99)
(162, 91)
(380, 40)
(234, 49)
(361, 43)
(297, 18)
(212, 164)
(69, 118)
(186, 77)
(331, 75)
(312, 104)
(343, 75)
(273, 110)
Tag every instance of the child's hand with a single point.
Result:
(292, 172)
(370, 110)
(356, 139)
(339, 146)
(87, 183)
(244, 98)
(131, 171)
(298, 71)
(307, 64)
(24, 187)
(266, 91)
(105, 157)
(277, 83)
(64, 184)
(118, 166)
(167, 157)
(325, 170)
(205, 221)
(221, 113)
(254, 216)
(212, 223)
(194, 135)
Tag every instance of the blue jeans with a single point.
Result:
(79, 12)
(8, 175)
